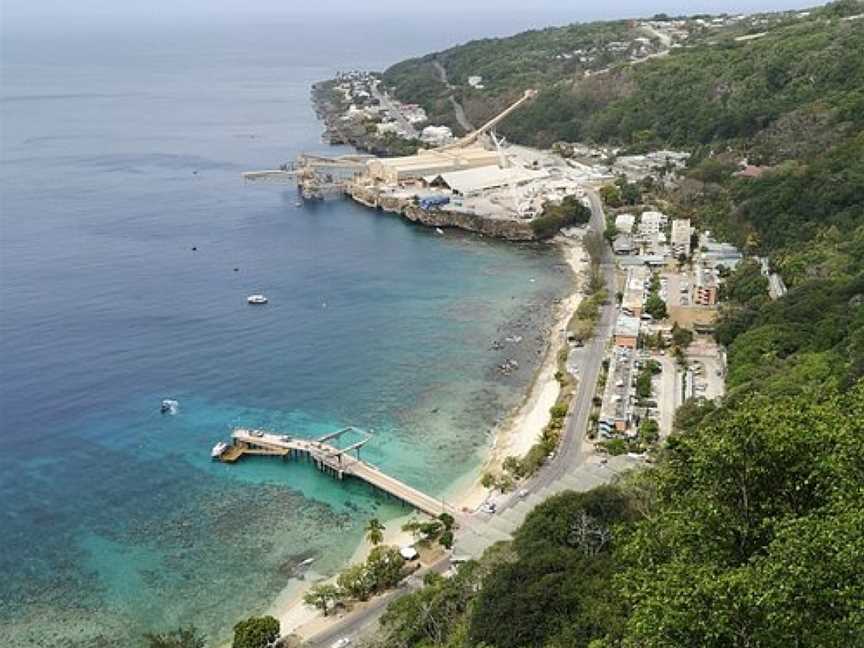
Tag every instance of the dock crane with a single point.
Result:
(520, 206)
(472, 137)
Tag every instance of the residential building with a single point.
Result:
(622, 244)
(651, 222)
(624, 223)
(634, 291)
(627, 331)
(706, 287)
(616, 410)
(680, 239)
(714, 254)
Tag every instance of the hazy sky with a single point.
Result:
(48, 13)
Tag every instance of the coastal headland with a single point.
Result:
(480, 184)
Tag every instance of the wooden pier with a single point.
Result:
(337, 462)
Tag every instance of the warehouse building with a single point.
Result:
(471, 182)
(429, 163)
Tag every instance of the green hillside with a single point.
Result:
(799, 79)
(749, 530)
(749, 533)
(508, 66)
(798, 74)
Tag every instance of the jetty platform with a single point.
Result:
(338, 462)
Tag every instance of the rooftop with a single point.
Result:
(470, 181)
(627, 326)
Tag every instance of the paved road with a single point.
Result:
(457, 107)
(365, 622)
(570, 453)
(664, 38)
(569, 456)
(385, 100)
(669, 394)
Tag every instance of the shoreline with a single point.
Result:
(512, 436)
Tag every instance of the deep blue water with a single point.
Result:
(122, 152)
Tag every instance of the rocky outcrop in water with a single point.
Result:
(503, 228)
(509, 229)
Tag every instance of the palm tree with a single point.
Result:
(375, 531)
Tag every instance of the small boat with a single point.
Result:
(439, 230)
(218, 450)
(169, 406)
(299, 203)
(256, 299)
(306, 563)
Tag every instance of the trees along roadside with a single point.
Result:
(255, 632)
(375, 531)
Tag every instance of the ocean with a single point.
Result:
(128, 245)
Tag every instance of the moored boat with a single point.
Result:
(169, 406)
(218, 450)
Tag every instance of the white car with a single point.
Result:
(341, 643)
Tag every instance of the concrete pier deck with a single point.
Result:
(328, 458)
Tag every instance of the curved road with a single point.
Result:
(457, 107)
(569, 454)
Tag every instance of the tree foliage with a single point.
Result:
(569, 212)
(375, 531)
(748, 532)
(255, 632)
(322, 596)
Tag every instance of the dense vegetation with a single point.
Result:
(507, 66)
(748, 533)
(569, 212)
(799, 79)
(749, 530)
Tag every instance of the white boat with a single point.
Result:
(169, 406)
(218, 449)
(439, 230)
(256, 299)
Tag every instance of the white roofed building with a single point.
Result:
(680, 240)
(627, 331)
(429, 163)
(436, 135)
(624, 223)
(634, 291)
(651, 222)
(473, 181)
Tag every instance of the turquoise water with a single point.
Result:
(118, 158)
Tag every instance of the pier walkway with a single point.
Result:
(328, 458)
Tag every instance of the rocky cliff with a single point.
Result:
(503, 228)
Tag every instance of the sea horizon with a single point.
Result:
(130, 245)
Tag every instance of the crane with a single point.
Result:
(472, 137)
(519, 206)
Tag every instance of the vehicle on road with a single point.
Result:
(341, 643)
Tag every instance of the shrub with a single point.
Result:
(559, 410)
(255, 632)
(616, 447)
